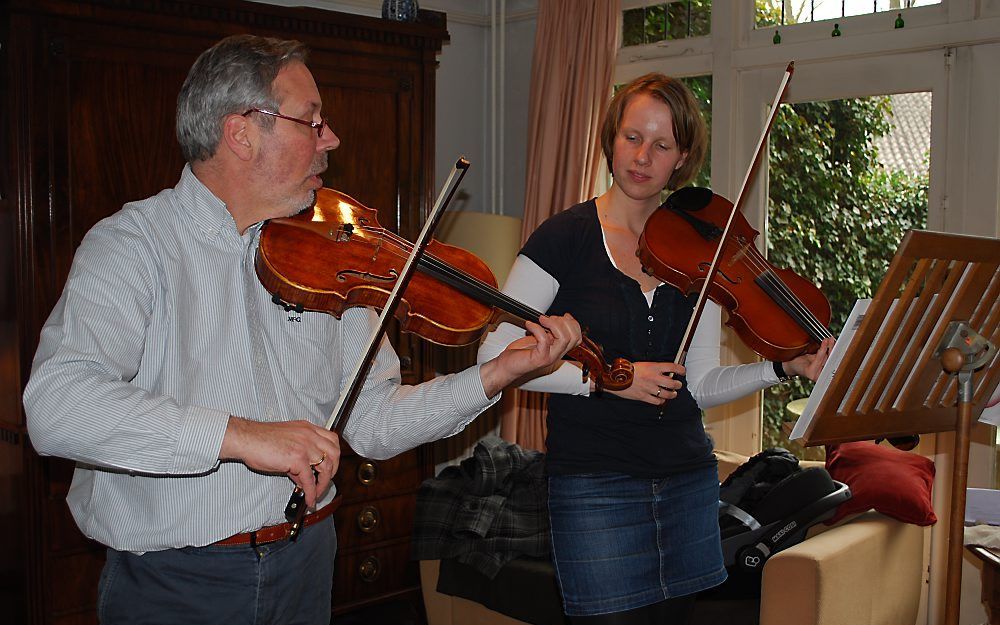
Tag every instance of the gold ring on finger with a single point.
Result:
(318, 462)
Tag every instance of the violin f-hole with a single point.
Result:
(343, 275)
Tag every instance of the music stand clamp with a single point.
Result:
(962, 351)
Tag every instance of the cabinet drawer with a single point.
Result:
(360, 479)
(370, 522)
(371, 573)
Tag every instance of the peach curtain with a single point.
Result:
(576, 44)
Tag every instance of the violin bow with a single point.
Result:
(699, 306)
(295, 510)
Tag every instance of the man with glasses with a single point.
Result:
(189, 401)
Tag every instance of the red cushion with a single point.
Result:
(893, 482)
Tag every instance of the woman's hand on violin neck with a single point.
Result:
(653, 382)
(535, 355)
(810, 365)
(308, 454)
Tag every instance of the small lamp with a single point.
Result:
(496, 239)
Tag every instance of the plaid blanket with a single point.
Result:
(485, 512)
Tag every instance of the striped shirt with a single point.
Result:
(162, 332)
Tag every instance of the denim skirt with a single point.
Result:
(621, 542)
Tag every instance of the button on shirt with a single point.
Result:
(162, 332)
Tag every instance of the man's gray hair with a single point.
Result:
(231, 77)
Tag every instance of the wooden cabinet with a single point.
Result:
(373, 529)
(87, 124)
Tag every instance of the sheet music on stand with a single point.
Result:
(851, 326)
(990, 415)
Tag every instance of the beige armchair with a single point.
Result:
(864, 571)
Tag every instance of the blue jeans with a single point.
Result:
(621, 542)
(278, 583)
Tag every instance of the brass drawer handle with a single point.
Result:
(367, 472)
(370, 569)
(368, 519)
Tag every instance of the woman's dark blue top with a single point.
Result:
(604, 432)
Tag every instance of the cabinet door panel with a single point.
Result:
(105, 135)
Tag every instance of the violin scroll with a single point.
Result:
(616, 376)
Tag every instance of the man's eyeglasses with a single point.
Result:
(319, 126)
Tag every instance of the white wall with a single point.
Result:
(482, 100)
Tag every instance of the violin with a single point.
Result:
(336, 255)
(777, 313)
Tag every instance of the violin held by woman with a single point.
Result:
(776, 312)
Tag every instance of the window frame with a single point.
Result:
(950, 49)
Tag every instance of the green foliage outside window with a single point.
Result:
(678, 19)
(786, 13)
(835, 215)
(701, 88)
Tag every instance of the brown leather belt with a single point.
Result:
(275, 533)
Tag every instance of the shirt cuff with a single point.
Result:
(469, 396)
(201, 440)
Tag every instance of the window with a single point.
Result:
(947, 49)
(847, 178)
(655, 22)
(701, 87)
(786, 12)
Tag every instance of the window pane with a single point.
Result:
(701, 18)
(767, 13)
(701, 87)
(858, 7)
(656, 24)
(847, 179)
(801, 11)
(660, 21)
(632, 22)
(677, 19)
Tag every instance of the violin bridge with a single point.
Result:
(740, 254)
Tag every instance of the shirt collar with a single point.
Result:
(207, 211)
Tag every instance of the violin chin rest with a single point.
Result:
(689, 199)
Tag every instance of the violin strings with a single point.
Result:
(468, 284)
(817, 330)
(771, 283)
(588, 353)
(784, 296)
